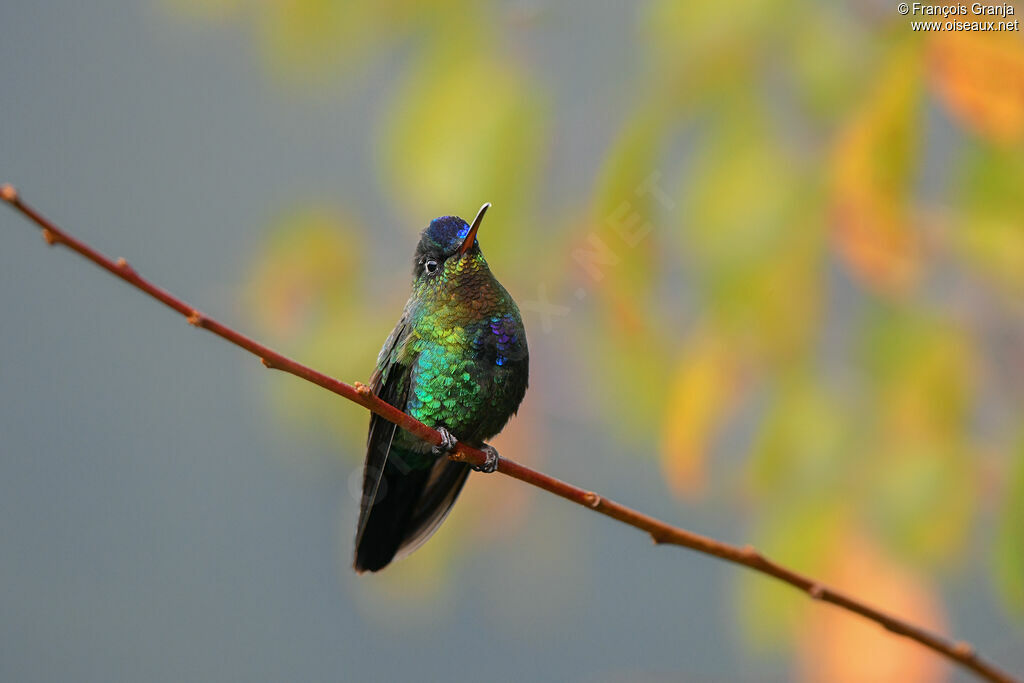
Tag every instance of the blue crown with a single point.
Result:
(447, 233)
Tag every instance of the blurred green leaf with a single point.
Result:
(634, 369)
(1008, 552)
(468, 127)
(706, 47)
(754, 236)
(921, 494)
(802, 442)
(990, 231)
(828, 67)
(629, 211)
(922, 369)
(744, 187)
(922, 501)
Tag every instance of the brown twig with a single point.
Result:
(961, 653)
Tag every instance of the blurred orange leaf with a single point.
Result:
(305, 267)
(837, 647)
(871, 178)
(304, 288)
(980, 78)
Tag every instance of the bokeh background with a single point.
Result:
(771, 261)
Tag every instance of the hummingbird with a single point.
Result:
(457, 361)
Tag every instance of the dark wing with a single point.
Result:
(390, 381)
(435, 502)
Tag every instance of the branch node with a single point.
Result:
(267, 364)
(592, 499)
(964, 650)
(195, 319)
(8, 193)
(362, 389)
(658, 540)
(50, 238)
(123, 266)
(816, 591)
(750, 554)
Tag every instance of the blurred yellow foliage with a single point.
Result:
(702, 392)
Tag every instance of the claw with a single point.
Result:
(491, 463)
(447, 445)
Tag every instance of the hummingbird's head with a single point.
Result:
(444, 244)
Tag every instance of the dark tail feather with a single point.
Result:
(408, 509)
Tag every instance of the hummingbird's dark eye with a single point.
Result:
(430, 267)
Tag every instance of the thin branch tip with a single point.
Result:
(8, 193)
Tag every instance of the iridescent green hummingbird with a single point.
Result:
(457, 361)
